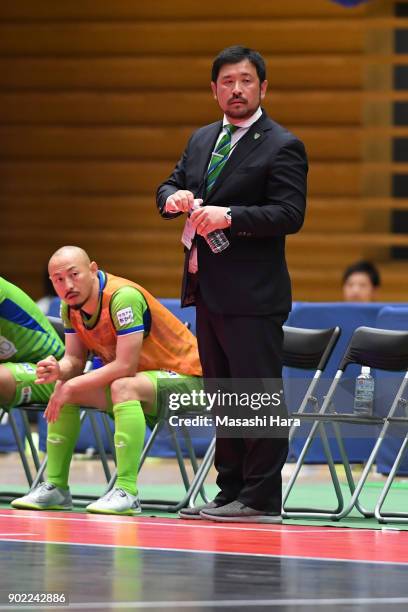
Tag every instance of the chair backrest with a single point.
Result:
(308, 349)
(348, 316)
(185, 315)
(384, 349)
(54, 307)
(58, 326)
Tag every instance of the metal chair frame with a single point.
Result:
(377, 348)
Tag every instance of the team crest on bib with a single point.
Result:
(125, 316)
(7, 348)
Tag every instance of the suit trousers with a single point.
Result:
(245, 347)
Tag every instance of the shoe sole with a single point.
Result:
(117, 513)
(191, 517)
(195, 517)
(272, 520)
(24, 506)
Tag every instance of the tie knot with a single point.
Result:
(230, 129)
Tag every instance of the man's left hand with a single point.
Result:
(209, 218)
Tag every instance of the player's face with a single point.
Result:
(238, 90)
(74, 282)
(358, 288)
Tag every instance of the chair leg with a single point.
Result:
(30, 440)
(348, 472)
(193, 458)
(21, 449)
(202, 472)
(307, 398)
(289, 512)
(193, 490)
(179, 456)
(109, 434)
(99, 444)
(391, 517)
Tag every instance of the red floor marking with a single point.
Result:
(144, 532)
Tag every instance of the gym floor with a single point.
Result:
(158, 562)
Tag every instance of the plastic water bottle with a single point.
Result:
(364, 394)
(216, 240)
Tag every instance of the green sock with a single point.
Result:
(130, 428)
(61, 440)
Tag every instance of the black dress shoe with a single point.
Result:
(194, 513)
(236, 512)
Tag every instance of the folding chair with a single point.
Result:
(377, 348)
(304, 349)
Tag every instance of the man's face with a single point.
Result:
(73, 280)
(358, 288)
(238, 90)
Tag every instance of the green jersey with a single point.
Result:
(26, 335)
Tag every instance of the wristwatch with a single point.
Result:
(227, 216)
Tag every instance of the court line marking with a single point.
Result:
(3, 535)
(223, 603)
(197, 524)
(210, 552)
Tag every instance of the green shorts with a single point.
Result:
(164, 383)
(27, 392)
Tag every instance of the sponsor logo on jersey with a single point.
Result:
(125, 316)
(27, 367)
(7, 348)
(25, 397)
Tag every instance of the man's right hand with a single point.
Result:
(48, 371)
(180, 201)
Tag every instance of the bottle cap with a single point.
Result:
(365, 369)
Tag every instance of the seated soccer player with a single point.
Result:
(139, 341)
(26, 336)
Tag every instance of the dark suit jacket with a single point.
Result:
(264, 184)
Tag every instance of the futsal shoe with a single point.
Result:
(194, 513)
(236, 512)
(116, 501)
(46, 496)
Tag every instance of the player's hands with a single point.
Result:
(180, 201)
(48, 370)
(209, 218)
(58, 398)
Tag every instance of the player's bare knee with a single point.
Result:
(7, 385)
(124, 390)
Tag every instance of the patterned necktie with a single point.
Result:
(220, 155)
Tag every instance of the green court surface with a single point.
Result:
(319, 494)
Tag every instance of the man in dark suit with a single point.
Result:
(248, 180)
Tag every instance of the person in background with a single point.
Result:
(360, 282)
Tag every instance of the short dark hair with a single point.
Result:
(363, 267)
(236, 54)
